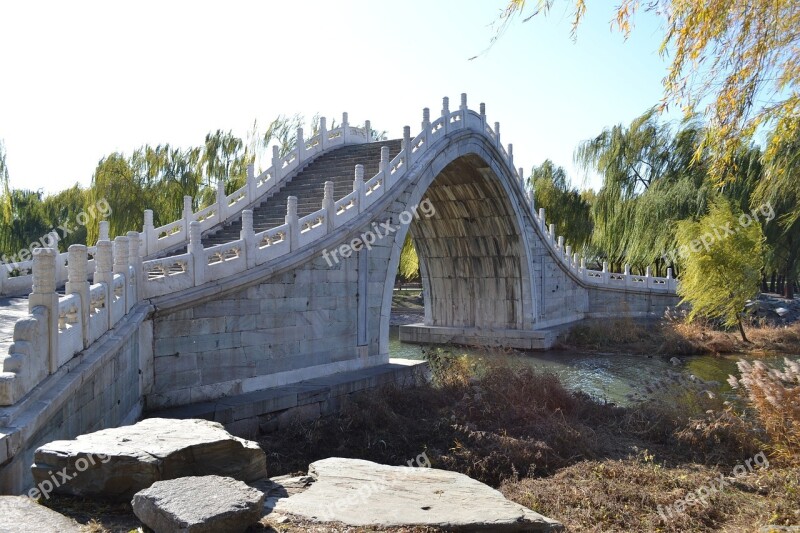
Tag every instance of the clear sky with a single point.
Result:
(81, 80)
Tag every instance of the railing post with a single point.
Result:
(532, 200)
(605, 272)
(583, 266)
(103, 259)
(407, 144)
(552, 233)
(368, 130)
(497, 135)
(483, 117)
(446, 114)
(329, 204)
(135, 262)
(301, 148)
(44, 294)
(221, 214)
(358, 187)
(627, 274)
(188, 215)
(121, 252)
(149, 232)
(575, 260)
(78, 283)
(384, 164)
(560, 245)
(463, 109)
(195, 248)
(511, 155)
(521, 174)
(248, 235)
(277, 171)
(670, 280)
(52, 242)
(568, 254)
(104, 226)
(292, 220)
(541, 219)
(323, 133)
(345, 128)
(426, 118)
(252, 186)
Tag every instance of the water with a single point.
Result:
(605, 376)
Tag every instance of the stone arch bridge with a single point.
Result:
(290, 279)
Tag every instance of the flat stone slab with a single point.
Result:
(205, 504)
(117, 463)
(20, 514)
(365, 494)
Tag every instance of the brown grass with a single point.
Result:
(676, 337)
(594, 466)
(623, 496)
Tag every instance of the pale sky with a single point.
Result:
(81, 80)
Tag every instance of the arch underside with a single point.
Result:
(471, 250)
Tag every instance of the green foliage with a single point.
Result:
(408, 268)
(721, 259)
(564, 206)
(650, 182)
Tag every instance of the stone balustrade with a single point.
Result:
(60, 326)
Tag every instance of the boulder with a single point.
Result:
(21, 514)
(360, 493)
(117, 463)
(205, 504)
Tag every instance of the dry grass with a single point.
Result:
(623, 496)
(594, 466)
(774, 394)
(676, 337)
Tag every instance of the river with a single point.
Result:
(605, 376)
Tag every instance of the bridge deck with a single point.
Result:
(11, 310)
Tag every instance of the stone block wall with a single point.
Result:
(100, 388)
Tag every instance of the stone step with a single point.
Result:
(308, 186)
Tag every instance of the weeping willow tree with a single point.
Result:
(721, 272)
(651, 180)
(780, 190)
(564, 205)
(736, 62)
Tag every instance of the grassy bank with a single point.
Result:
(595, 467)
(675, 337)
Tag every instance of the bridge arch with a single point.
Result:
(475, 250)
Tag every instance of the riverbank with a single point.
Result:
(676, 337)
(593, 466)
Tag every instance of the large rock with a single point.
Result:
(206, 504)
(117, 463)
(365, 494)
(20, 514)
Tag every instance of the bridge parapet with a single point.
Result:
(60, 326)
